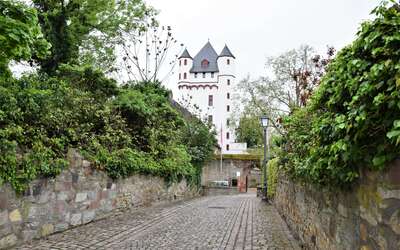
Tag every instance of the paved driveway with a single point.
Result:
(219, 222)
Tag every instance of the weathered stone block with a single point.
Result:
(76, 219)
(387, 194)
(60, 227)
(88, 216)
(3, 200)
(94, 205)
(365, 247)
(81, 197)
(92, 195)
(47, 229)
(363, 232)
(28, 235)
(106, 205)
(86, 164)
(3, 217)
(62, 196)
(35, 213)
(45, 197)
(104, 194)
(342, 210)
(37, 189)
(15, 216)
(394, 222)
(8, 241)
(368, 216)
(112, 194)
(75, 177)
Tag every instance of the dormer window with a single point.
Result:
(205, 63)
(185, 62)
(228, 61)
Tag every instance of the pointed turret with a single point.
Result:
(185, 54)
(226, 52)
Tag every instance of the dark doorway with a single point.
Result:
(234, 183)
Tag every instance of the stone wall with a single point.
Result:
(213, 191)
(366, 218)
(212, 171)
(77, 196)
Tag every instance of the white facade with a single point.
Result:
(210, 88)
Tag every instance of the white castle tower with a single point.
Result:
(207, 81)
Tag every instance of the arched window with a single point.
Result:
(179, 76)
(228, 108)
(228, 61)
(227, 147)
(227, 135)
(180, 62)
(229, 82)
(205, 63)
(185, 62)
(184, 75)
(228, 96)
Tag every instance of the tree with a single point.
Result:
(87, 30)
(250, 131)
(293, 77)
(21, 37)
(146, 50)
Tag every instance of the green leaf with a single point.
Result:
(379, 160)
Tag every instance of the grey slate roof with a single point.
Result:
(208, 53)
(185, 54)
(226, 52)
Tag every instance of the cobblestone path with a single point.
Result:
(219, 222)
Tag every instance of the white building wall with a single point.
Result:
(197, 91)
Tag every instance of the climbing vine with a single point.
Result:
(352, 120)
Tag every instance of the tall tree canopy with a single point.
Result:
(20, 34)
(83, 30)
(292, 77)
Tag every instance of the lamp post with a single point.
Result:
(264, 123)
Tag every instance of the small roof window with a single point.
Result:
(205, 63)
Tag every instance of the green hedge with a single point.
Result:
(272, 174)
(352, 120)
(133, 129)
(243, 157)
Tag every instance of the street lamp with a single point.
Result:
(264, 123)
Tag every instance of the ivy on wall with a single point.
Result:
(353, 119)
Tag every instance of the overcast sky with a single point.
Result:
(255, 29)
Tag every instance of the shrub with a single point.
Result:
(272, 174)
(352, 119)
(136, 131)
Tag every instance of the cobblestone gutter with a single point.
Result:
(366, 218)
(77, 196)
